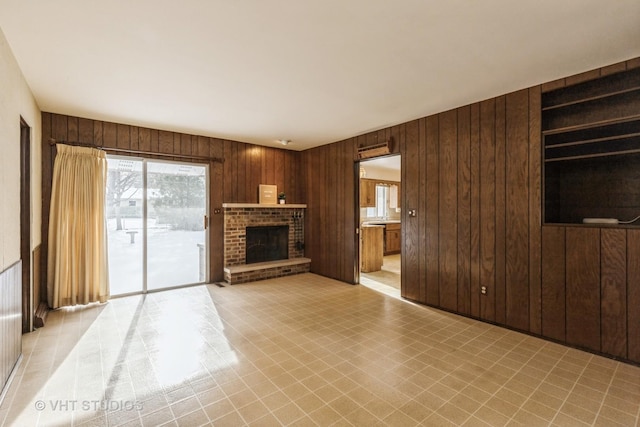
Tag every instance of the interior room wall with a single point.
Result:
(234, 180)
(16, 100)
(473, 175)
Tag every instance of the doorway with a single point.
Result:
(380, 223)
(25, 225)
(157, 222)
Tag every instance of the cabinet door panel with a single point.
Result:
(553, 283)
(614, 292)
(633, 294)
(583, 287)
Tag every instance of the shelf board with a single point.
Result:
(591, 141)
(591, 156)
(591, 125)
(591, 98)
(581, 225)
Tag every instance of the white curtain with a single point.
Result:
(77, 265)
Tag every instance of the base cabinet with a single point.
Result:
(591, 288)
(392, 239)
(372, 240)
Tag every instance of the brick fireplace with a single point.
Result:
(237, 217)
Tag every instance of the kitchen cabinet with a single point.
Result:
(367, 193)
(392, 239)
(372, 250)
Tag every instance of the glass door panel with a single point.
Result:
(176, 234)
(125, 224)
(156, 224)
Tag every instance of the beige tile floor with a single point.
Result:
(303, 350)
(389, 275)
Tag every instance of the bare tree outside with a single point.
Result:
(119, 184)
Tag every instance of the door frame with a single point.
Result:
(144, 285)
(25, 225)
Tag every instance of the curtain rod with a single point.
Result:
(52, 141)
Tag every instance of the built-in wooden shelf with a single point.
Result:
(591, 154)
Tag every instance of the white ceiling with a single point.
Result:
(313, 72)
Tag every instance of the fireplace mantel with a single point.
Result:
(264, 206)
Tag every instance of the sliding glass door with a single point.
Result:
(156, 213)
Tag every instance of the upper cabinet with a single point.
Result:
(367, 193)
(591, 135)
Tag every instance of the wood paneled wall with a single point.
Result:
(235, 180)
(591, 288)
(10, 323)
(474, 177)
(330, 189)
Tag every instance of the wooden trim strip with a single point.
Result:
(53, 141)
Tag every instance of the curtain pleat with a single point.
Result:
(77, 265)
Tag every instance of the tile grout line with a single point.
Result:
(604, 397)
(571, 391)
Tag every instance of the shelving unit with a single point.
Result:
(591, 135)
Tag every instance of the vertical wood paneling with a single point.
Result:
(535, 210)
(85, 130)
(176, 142)
(98, 135)
(47, 171)
(109, 135)
(517, 210)
(432, 194)
(229, 167)
(224, 177)
(279, 166)
(60, 127)
(344, 180)
(165, 141)
(331, 207)
(135, 138)
(252, 172)
(448, 214)
(72, 130)
(10, 321)
(475, 210)
(487, 208)
(155, 141)
(422, 208)
(553, 283)
(500, 210)
(633, 295)
(186, 144)
(613, 283)
(144, 143)
(216, 198)
(123, 137)
(411, 255)
(583, 287)
(324, 200)
(464, 210)
(246, 188)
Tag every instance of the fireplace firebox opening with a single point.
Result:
(267, 243)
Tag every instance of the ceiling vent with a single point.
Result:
(375, 150)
